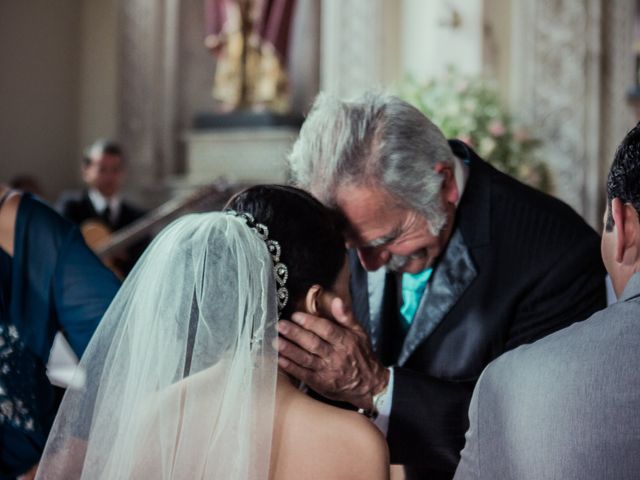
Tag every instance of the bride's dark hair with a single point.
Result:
(309, 233)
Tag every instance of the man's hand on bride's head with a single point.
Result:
(332, 356)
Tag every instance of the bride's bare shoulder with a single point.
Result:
(363, 449)
(330, 442)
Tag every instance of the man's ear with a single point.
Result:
(450, 192)
(312, 300)
(626, 227)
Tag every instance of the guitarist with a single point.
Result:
(100, 209)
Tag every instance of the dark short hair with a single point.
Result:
(623, 181)
(309, 234)
(105, 147)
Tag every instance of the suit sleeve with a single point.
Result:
(428, 420)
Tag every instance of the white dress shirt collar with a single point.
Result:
(100, 202)
(461, 174)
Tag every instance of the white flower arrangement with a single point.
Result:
(468, 108)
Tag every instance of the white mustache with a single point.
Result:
(396, 262)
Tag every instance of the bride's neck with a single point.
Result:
(286, 379)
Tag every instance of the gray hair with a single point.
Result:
(377, 140)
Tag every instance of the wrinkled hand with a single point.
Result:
(334, 358)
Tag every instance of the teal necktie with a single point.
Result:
(413, 286)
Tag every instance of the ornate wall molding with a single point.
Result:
(359, 45)
(570, 68)
(556, 88)
(618, 76)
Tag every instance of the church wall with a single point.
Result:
(196, 65)
(98, 71)
(436, 35)
(39, 81)
(496, 44)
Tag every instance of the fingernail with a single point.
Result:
(283, 327)
(298, 318)
(283, 362)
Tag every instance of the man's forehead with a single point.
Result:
(371, 212)
(382, 239)
(363, 199)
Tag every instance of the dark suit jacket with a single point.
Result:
(77, 207)
(519, 265)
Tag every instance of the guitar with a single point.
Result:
(107, 245)
(96, 235)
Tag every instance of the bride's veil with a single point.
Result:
(180, 375)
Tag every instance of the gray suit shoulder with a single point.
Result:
(565, 406)
(601, 331)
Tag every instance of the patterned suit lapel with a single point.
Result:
(451, 278)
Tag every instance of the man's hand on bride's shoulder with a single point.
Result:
(332, 356)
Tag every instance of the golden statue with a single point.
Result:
(250, 40)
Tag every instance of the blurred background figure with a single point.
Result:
(100, 209)
(27, 183)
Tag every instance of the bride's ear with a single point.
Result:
(311, 300)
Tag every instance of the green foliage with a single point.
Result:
(469, 108)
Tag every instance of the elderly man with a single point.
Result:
(567, 406)
(476, 264)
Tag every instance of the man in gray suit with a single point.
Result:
(566, 407)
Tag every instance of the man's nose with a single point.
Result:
(373, 258)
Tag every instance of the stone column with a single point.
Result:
(147, 91)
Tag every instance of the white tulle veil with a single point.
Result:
(181, 374)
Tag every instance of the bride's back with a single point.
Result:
(312, 440)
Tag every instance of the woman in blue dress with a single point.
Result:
(49, 282)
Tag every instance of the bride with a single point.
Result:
(181, 375)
